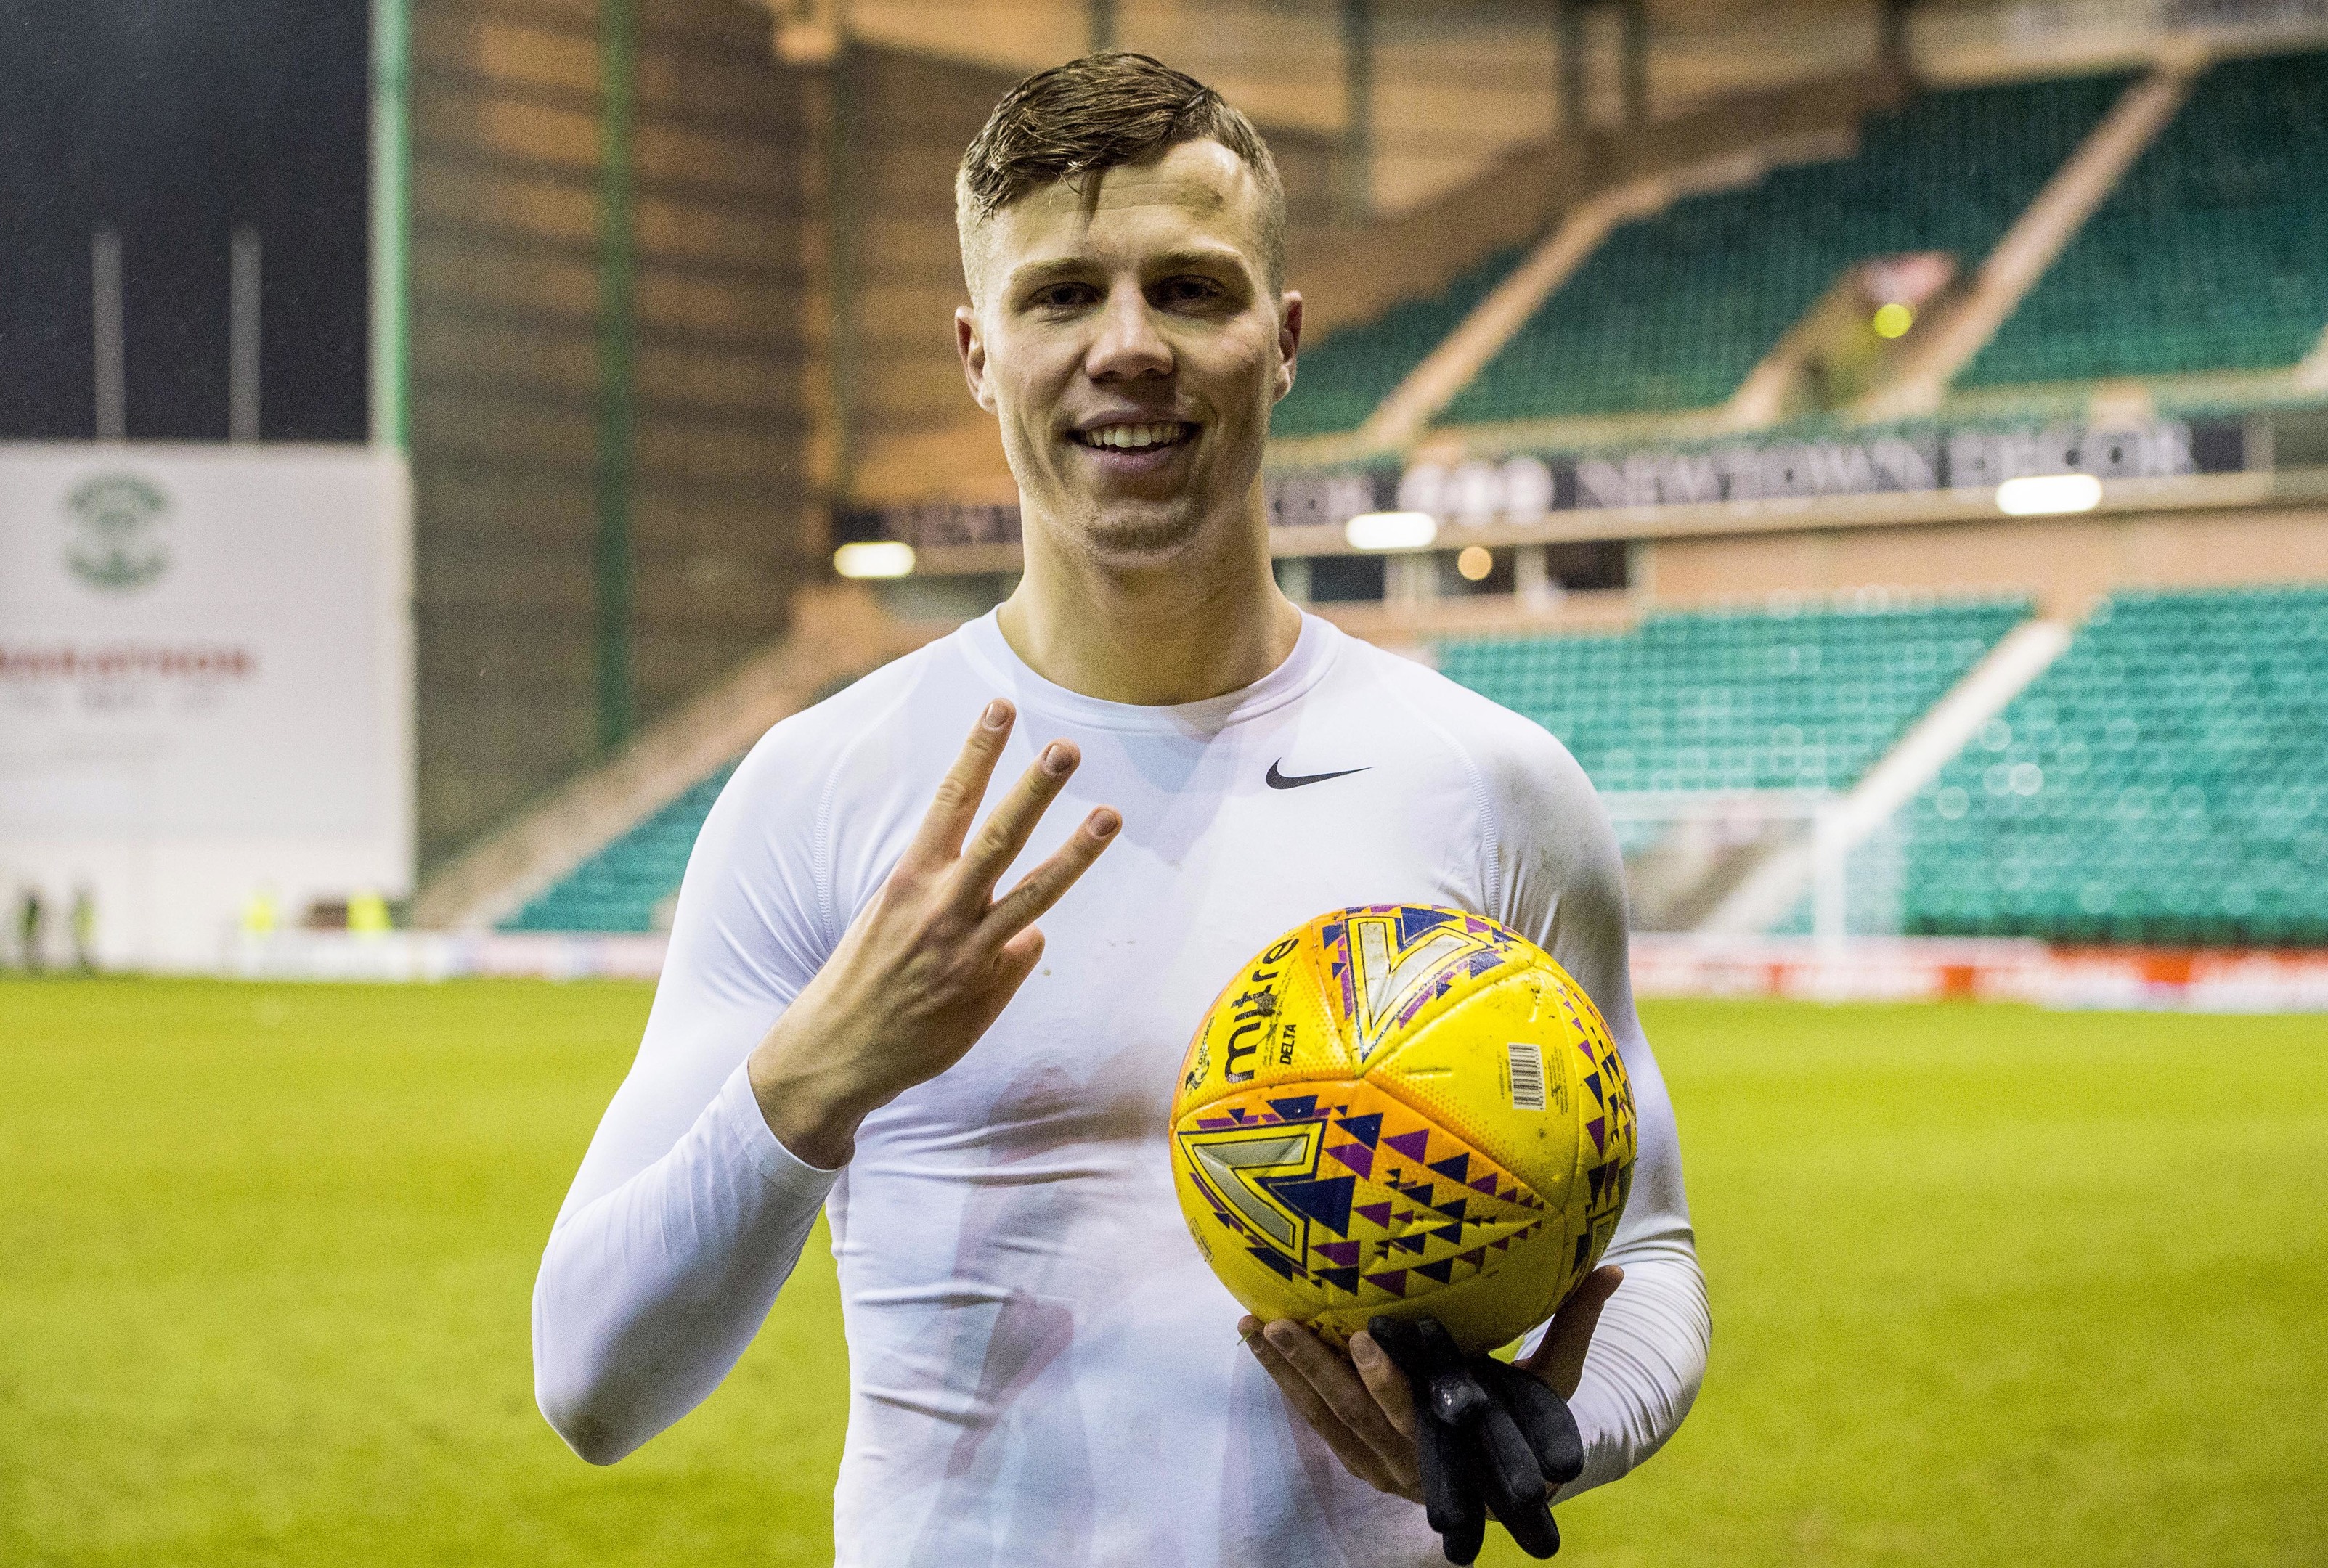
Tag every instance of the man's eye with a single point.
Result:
(1062, 297)
(1189, 291)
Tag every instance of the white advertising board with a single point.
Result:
(205, 688)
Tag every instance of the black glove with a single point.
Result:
(1493, 1440)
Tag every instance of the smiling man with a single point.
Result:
(859, 1013)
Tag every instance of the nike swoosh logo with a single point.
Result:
(1278, 780)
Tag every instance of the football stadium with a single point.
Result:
(509, 507)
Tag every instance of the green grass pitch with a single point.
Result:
(1990, 1286)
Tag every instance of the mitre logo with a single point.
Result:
(113, 532)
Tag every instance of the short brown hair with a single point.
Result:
(1100, 112)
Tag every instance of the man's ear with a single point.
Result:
(971, 346)
(1289, 339)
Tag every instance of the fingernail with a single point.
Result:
(1054, 758)
(1363, 1351)
(1104, 823)
(1278, 1334)
(997, 714)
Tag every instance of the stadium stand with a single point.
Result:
(2212, 254)
(1675, 310)
(1762, 699)
(2161, 783)
(1347, 376)
(620, 888)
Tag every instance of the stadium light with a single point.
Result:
(2047, 494)
(1392, 530)
(874, 558)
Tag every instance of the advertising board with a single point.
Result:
(205, 691)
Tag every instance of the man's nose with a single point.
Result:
(1128, 343)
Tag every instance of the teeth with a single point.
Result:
(1132, 437)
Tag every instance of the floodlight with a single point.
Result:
(1392, 530)
(874, 558)
(2047, 494)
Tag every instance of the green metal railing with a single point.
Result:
(617, 413)
(391, 209)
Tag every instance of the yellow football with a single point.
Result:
(1405, 1110)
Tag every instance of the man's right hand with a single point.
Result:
(930, 962)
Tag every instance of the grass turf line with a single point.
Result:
(1990, 1286)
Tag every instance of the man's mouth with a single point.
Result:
(1151, 437)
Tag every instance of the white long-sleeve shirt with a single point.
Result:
(1042, 1370)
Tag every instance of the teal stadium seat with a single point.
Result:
(2163, 782)
(1674, 311)
(619, 888)
(2211, 254)
(1761, 699)
(1344, 377)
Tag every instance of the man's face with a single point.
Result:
(1131, 348)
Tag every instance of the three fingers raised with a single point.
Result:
(1041, 888)
(938, 841)
(944, 841)
(1008, 827)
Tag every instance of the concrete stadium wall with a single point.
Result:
(2066, 563)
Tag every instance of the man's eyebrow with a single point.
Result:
(1035, 273)
(1211, 256)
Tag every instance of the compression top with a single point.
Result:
(1042, 1370)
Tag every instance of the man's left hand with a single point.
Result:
(1360, 1404)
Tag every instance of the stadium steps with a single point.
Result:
(2045, 227)
(2161, 783)
(1733, 700)
(2211, 256)
(1766, 895)
(1674, 311)
(631, 884)
(838, 633)
(2310, 374)
(1355, 279)
(1693, 709)
(1342, 382)
(1445, 369)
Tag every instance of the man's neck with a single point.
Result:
(1155, 635)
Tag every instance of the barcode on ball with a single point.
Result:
(1527, 1075)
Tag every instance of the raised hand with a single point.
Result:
(931, 961)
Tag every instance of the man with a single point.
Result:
(859, 1013)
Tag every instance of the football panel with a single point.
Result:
(1488, 1309)
(1612, 1142)
(1388, 970)
(1493, 1071)
(1340, 1200)
(1269, 1025)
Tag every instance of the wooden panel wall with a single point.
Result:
(506, 245)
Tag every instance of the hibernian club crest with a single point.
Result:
(113, 532)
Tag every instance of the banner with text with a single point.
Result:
(1528, 487)
(205, 690)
